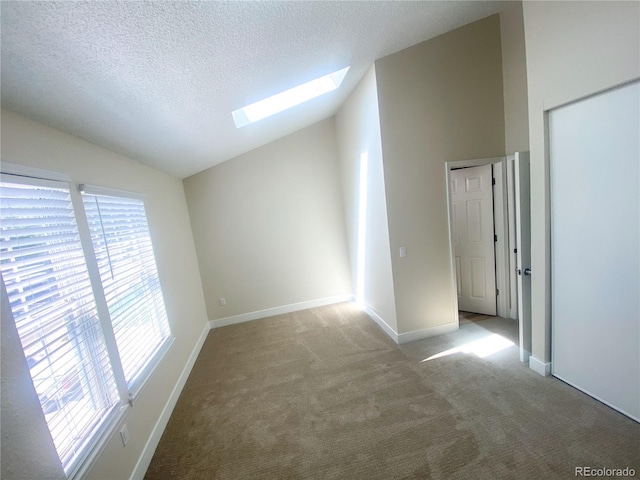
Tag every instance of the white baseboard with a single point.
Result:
(401, 338)
(150, 447)
(539, 367)
(427, 332)
(381, 323)
(270, 312)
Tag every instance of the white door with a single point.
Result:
(523, 249)
(473, 238)
(594, 150)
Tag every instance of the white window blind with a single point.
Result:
(44, 271)
(122, 246)
(84, 292)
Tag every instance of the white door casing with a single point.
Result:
(511, 238)
(501, 229)
(473, 238)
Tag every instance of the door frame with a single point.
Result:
(500, 227)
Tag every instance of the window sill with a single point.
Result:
(136, 387)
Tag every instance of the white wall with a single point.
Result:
(514, 78)
(30, 143)
(269, 225)
(358, 131)
(573, 49)
(439, 101)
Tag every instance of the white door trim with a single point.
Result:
(511, 244)
(502, 244)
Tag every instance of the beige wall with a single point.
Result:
(573, 49)
(358, 131)
(514, 79)
(439, 101)
(269, 225)
(33, 144)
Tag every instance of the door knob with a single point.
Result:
(527, 271)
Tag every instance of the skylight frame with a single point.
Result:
(289, 98)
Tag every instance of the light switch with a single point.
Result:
(403, 251)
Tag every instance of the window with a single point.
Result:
(85, 296)
(122, 245)
(288, 99)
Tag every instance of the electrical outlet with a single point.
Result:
(223, 302)
(124, 435)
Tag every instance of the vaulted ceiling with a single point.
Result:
(157, 81)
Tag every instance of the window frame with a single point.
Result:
(133, 391)
(93, 445)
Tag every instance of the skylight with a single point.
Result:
(289, 98)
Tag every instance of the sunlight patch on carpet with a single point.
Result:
(480, 348)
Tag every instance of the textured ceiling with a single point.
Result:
(157, 81)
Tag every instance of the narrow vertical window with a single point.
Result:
(123, 250)
(45, 274)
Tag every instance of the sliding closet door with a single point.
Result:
(595, 241)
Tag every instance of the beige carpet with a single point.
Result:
(325, 394)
